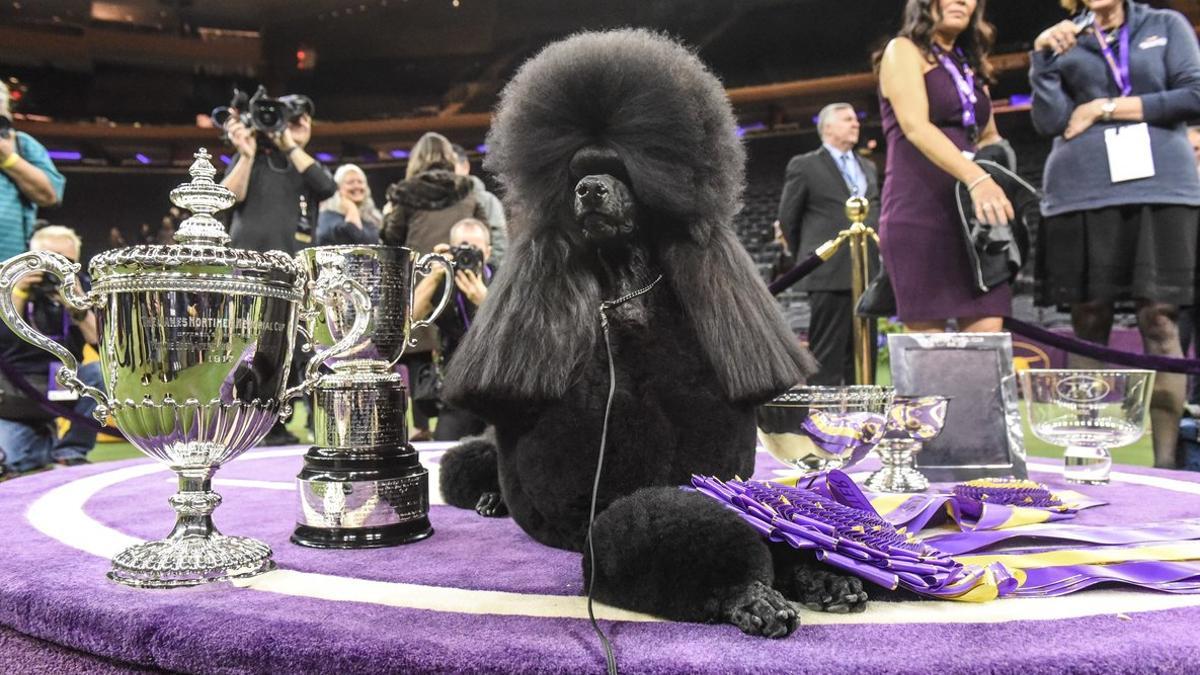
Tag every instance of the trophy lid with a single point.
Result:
(203, 197)
(200, 240)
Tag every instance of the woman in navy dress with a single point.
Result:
(936, 112)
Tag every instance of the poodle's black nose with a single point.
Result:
(592, 190)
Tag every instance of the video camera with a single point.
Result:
(467, 257)
(261, 112)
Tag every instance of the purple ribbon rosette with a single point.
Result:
(856, 540)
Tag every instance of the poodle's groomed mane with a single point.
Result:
(654, 103)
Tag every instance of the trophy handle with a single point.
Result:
(332, 280)
(424, 266)
(65, 270)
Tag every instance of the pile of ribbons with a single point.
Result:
(916, 542)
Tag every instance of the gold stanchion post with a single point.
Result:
(857, 209)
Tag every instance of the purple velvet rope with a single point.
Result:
(1076, 346)
(49, 406)
(801, 270)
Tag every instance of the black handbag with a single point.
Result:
(878, 299)
(426, 382)
(997, 253)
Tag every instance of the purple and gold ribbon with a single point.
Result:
(831, 516)
(851, 434)
(855, 540)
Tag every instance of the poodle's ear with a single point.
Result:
(738, 323)
(537, 323)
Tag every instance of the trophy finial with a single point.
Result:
(202, 197)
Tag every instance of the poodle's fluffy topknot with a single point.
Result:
(655, 104)
(644, 96)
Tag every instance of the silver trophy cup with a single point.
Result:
(195, 346)
(362, 485)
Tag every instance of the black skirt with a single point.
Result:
(1118, 254)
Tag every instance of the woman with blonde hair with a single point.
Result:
(431, 199)
(1116, 87)
(350, 215)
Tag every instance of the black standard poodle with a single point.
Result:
(622, 170)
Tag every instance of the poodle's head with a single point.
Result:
(606, 211)
(608, 131)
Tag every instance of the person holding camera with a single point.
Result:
(420, 211)
(470, 252)
(278, 185)
(28, 179)
(350, 216)
(28, 435)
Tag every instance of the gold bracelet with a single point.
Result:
(10, 161)
(20, 293)
(976, 183)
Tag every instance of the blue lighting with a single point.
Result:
(324, 157)
(227, 159)
(142, 158)
(400, 154)
(65, 155)
(1020, 99)
(482, 148)
(757, 126)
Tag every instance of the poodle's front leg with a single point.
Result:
(680, 555)
(470, 478)
(817, 586)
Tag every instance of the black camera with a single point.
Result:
(467, 257)
(5, 127)
(46, 288)
(261, 112)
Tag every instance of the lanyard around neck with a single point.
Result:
(1118, 64)
(964, 84)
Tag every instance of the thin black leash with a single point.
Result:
(609, 658)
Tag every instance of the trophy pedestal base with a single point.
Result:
(362, 537)
(190, 561)
(367, 499)
(896, 480)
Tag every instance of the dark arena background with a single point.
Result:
(592, 444)
(120, 91)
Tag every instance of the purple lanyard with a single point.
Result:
(462, 306)
(1117, 64)
(964, 83)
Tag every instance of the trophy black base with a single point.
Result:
(362, 537)
(371, 498)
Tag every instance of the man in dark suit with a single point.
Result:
(812, 210)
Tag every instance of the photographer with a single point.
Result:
(278, 187)
(28, 180)
(28, 435)
(277, 184)
(470, 253)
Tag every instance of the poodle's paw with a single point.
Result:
(825, 591)
(759, 609)
(491, 505)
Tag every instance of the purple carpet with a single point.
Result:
(63, 614)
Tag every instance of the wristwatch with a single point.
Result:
(1107, 109)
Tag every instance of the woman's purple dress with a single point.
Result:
(919, 229)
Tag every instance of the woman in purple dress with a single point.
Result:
(936, 112)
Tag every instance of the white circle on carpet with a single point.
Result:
(60, 515)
